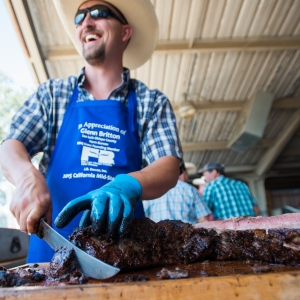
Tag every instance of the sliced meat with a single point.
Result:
(27, 275)
(64, 267)
(246, 223)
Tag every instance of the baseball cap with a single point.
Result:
(212, 166)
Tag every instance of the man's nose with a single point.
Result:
(88, 20)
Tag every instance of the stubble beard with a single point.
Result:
(94, 57)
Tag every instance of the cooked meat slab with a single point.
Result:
(174, 242)
(273, 240)
(21, 276)
(64, 267)
(147, 244)
(63, 270)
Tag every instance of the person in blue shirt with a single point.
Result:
(224, 196)
(182, 202)
(200, 183)
(108, 141)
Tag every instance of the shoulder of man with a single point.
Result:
(184, 186)
(216, 183)
(57, 84)
(142, 90)
(238, 183)
(70, 81)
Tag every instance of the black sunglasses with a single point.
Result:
(96, 12)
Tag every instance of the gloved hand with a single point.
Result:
(111, 207)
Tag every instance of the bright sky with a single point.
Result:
(13, 62)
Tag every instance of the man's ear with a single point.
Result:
(127, 32)
(215, 173)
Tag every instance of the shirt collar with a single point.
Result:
(122, 89)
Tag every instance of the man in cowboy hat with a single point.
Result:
(108, 141)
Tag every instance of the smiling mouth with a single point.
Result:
(91, 38)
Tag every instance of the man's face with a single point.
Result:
(184, 177)
(99, 37)
(210, 175)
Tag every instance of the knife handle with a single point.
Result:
(40, 228)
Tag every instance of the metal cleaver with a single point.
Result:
(88, 264)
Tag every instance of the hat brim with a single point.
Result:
(191, 168)
(141, 16)
(199, 181)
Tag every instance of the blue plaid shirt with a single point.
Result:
(228, 198)
(37, 123)
(182, 202)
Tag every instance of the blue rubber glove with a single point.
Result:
(109, 208)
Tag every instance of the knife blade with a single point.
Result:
(88, 265)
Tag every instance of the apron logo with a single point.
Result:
(93, 157)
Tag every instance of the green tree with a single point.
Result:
(11, 99)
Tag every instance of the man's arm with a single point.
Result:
(157, 178)
(121, 195)
(254, 202)
(204, 219)
(31, 199)
(208, 196)
(200, 208)
(256, 210)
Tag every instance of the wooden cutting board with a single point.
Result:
(216, 280)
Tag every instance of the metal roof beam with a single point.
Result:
(239, 169)
(286, 166)
(226, 45)
(221, 106)
(291, 151)
(285, 103)
(196, 46)
(61, 53)
(202, 146)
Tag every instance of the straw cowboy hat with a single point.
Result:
(140, 15)
(191, 168)
(199, 181)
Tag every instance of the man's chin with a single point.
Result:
(94, 61)
(94, 58)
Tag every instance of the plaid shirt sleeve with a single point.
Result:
(157, 126)
(247, 192)
(200, 208)
(208, 196)
(182, 202)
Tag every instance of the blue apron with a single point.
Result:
(97, 141)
